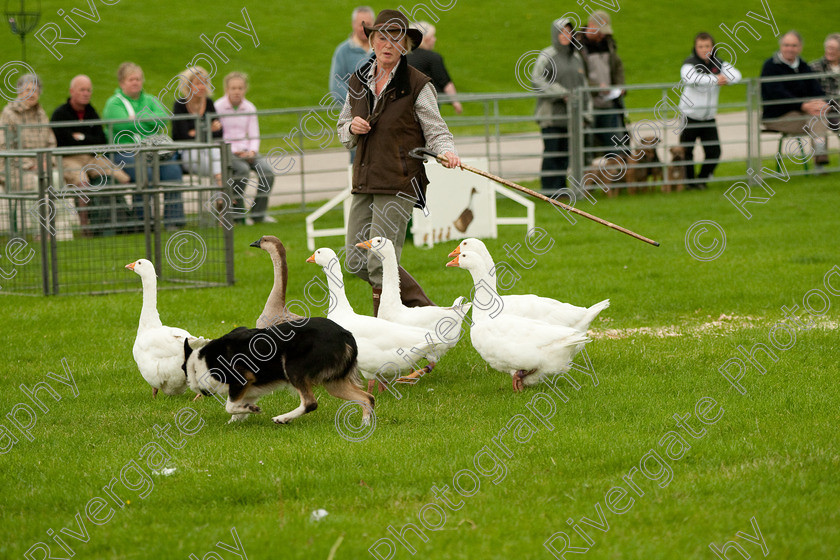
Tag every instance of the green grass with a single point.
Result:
(773, 454)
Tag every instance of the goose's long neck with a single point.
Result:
(277, 297)
(486, 299)
(489, 279)
(149, 317)
(390, 279)
(335, 283)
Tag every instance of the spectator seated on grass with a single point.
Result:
(789, 106)
(79, 169)
(242, 132)
(142, 113)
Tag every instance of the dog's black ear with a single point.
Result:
(187, 351)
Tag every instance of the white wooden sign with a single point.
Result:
(459, 204)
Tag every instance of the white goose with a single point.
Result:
(384, 347)
(532, 306)
(526, 348)
(158, 350)
(430, 318)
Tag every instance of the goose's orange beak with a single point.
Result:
(456, 252)
(365, 244)
(454, 262)
(311, 259)
(130, 266)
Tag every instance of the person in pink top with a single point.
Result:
(242, 132)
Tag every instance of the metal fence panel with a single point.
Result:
(78, 241)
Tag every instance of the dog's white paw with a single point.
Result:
(282, 419)
(237, 418)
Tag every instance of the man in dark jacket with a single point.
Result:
(79, 168)
(793, 106)
(425, 59)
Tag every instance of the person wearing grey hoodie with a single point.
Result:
(557, 71)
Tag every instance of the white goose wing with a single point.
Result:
(386, 346)
(510, 343)
(159, 353)
(427, 317)
(553, 311)
(441, 322)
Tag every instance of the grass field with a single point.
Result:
(673, 322)
(771, 455)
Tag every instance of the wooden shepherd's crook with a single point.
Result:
(421, 153)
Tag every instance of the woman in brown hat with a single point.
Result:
(390, 109)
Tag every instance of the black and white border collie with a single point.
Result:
(247, 363)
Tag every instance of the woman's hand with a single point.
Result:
(191, 133)
(452, 160)
(359, 126)
(215, 125)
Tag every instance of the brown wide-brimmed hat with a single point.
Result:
(395, 20)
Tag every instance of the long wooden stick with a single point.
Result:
(419, 152)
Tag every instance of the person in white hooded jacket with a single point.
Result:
(701, 75)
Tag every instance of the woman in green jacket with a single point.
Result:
(134, 106)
